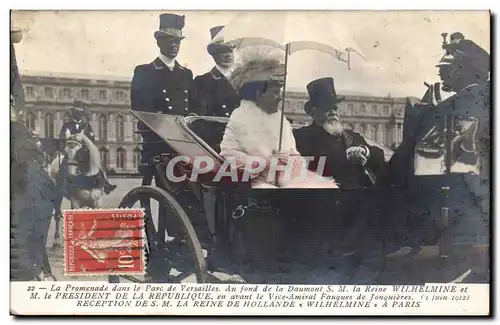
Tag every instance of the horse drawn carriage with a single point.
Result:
(434, 214)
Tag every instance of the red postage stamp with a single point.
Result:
(104, 242)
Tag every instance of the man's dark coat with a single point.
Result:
(314, 141)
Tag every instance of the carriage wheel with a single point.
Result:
(182, 255)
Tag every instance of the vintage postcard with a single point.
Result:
(250, 162)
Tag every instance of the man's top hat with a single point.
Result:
(217, 46)
(171, 25)
(322, 95)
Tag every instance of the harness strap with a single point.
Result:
(47, 270)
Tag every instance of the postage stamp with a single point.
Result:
(103, 241)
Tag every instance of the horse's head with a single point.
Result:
(76, 154)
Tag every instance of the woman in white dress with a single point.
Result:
(253, 131)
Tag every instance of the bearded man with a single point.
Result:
(348, 156)
(253, 129)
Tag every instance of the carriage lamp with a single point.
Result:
(445, 240)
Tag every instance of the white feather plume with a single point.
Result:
(258, 53)
(257, 63)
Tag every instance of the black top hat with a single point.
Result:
(218, 46)
(171, 25)
(322, 95)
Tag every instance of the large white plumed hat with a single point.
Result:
(257, 63)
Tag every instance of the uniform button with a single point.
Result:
(167, 99)
(186, 109)
(170, 107)
(227, 114)
(185, 91)
(164, 91)
(223, 106)
(186, 100)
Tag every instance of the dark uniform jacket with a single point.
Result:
(157, 89)
(75, 127)
(215, 95)
(314, 141)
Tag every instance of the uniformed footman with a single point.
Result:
(215, 94)
(162, 86)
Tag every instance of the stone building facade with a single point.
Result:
(49, 99)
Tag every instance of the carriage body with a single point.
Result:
(417, 212)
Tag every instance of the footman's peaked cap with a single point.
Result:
(79, 107)
(171, 25)
(322, 94)
(217, 46)
(214, 31)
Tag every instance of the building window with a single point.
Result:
(119, 95)
(362, 129)
(373, 133)
(137, 158)
(121, 155)
(30, 121)
(386, 110)
(48, 92)
(104, 157)
(374, 109)
(30, 91)
(67, 93)
(287, 105)
(350, 109)
(362, 108)
(380, 134)
(48, 122)
(103, 95)
(120, 128)
(102, 127)
(84, 94)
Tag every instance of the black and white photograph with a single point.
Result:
(240, 152)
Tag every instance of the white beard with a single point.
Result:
(333, 127)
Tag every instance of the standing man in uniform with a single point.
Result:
(162, 86)
(215, 94)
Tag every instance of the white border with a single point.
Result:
(193, 5)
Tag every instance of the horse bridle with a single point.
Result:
(72, 162)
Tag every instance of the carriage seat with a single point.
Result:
(209, 131)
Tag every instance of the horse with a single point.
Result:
(83, 188)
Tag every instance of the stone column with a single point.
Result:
(111, 127)
(57, 124)
(129, 128)
(40, 123)
(112, 157)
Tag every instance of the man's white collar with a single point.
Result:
(226, 72)
(170, 63)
